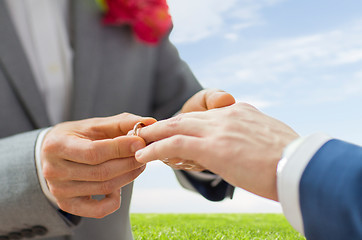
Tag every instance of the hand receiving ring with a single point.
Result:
(175, 163)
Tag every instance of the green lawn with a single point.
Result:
(212, 226)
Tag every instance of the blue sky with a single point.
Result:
(298, 61)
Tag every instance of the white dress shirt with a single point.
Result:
(42, 28)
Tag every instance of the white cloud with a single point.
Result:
(243, 25)
(250, 10)
(231, 36)
(198, 19)
(194, 20)
(287, 55)
(349, 56)
(358, 75)
(322, 66)
(350, 86)
(244, 74)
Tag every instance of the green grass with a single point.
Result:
(212, 226)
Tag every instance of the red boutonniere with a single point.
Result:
(149, 19)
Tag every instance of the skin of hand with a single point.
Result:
(91, 157)
(239, 143)
(202, 101)
(208, 99)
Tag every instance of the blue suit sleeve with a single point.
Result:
(213, 192)
(331, 192)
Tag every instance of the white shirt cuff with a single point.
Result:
(290, 169)
(42, 181)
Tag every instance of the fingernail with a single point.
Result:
(139, 154)
(136, 146)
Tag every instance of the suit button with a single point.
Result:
(28, 233)
(4, 238)
(39, 230)
(15, 235)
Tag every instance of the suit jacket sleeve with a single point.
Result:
(331, 192)
(174, 82)
(23, 204)
(319, 187)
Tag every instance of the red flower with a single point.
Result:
(149, 19)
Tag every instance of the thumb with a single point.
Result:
(218, 99)
(208, 99)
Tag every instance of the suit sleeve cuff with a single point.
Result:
(42, 181)
(295, 159)
(201, 176)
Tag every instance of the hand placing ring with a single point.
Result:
(175, 163)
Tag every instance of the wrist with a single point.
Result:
(38, 162)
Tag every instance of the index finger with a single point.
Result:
(96, 152)
(179, 125)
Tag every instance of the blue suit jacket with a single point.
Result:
(331, 192)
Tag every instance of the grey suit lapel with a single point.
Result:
(14, 63)
(87, 40)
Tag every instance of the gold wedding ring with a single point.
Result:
(136, 128)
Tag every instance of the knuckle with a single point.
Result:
(243, 107)
(106, 187)
(126, 114)
(90, 155)
(177, 141)
(175, 122)
(117, 203)
(117, 149)
(57, 192)
(94, 126)
(65, 206)
(94, 174)
(132, 164)
(101, 173)
(101, 212)
(114, 204)
(49, 146)
(49, 171)
(233, 113)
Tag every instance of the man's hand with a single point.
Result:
(91, 157)
(202, 101)
(239, 143)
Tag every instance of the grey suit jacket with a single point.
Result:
(113, 73)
